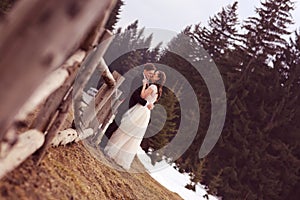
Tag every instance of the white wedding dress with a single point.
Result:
(125, 141)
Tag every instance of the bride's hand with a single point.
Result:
(150, 106)
(145, 81)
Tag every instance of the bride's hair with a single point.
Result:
(160, 83)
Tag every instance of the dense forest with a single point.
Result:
(258, 153)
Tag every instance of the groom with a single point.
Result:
(134, 93)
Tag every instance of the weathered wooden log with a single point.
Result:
(88, 67)
(92, 39)
(109, 108)
(55, 127)
(49, 85)
(101, 99)
(113, 110)
(27, 144)
(92, 61)
(115, 106)
(52, 103)
(97, 33)
(106, 74)
(35, 38)
(77, 57)
(99, 117)
(105, 119)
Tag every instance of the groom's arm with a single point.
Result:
(136, 97)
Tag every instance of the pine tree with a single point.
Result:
(182, 45)
(260, 102)
(130, 48)
(257, 154)
(264, 36)
(114, 16)
(189, 161)
(221, 35)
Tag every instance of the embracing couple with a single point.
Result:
(125, 139)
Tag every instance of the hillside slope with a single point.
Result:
(71, 172)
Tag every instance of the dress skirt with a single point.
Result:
(125, 141)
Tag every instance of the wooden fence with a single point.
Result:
(42, 46)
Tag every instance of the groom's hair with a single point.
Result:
(149, 66)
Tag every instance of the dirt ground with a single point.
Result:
(71, 172)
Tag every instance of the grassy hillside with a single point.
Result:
(71, 172)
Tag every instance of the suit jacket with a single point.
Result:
(132, 97)
(135, 91)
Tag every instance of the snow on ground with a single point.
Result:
(173, 180)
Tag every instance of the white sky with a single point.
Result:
(175, 15)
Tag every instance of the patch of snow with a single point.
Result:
(172, 179)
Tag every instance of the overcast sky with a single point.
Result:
(175, 15)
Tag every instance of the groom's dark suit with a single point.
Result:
(134, 94)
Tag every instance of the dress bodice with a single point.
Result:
(153, 96)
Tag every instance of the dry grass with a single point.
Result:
(71, 172)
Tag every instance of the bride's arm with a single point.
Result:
(145, 92)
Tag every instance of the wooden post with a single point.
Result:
(108, 109)
(105, 118)
(36, 37)
(94, 59)
(88, 67)
(106, 74)
(102, 97)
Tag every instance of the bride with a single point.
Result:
(125, 141)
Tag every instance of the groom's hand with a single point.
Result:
(150, 106)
